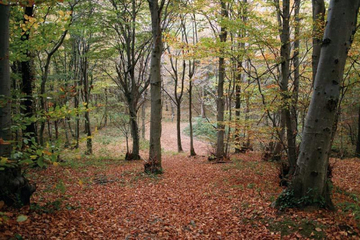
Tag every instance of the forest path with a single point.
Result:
(169, 139)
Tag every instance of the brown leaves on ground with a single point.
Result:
(193, 199)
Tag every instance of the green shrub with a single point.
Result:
(202, 129)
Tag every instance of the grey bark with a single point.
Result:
(153, 165)
(310, 178)
(86, 95)
(239, 64)
(284, 85)
(318, 11)
(220, 147)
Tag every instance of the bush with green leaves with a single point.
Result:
(202, 129)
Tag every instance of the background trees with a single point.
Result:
(132, 45)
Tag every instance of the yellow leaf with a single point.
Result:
(61, 13)
(55, 164)
(81, 182)
(3, 160)
(33, 157)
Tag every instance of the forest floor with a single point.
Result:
(92, 198)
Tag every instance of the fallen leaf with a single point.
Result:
(21, 218)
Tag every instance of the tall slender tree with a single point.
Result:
(27, 83)
(153, 165)
(220, 147)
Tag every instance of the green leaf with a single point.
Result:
(21, 218)
(40, 162)
(27, 161)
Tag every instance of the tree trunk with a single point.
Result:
(220, 91)
(5, 83)
(143, 116)
(318, 11)
(202, 103)
(28, 106)
(178, 126)
(192, 149)
(86, 95)
(153, 165)
(358, 137)
(237, 113)
(310, 181)
(239, 76)
(134, 133)
(15, 189)
(295, 92)
(284, 88)
(105, 116)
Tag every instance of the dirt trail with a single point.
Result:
(169, 139)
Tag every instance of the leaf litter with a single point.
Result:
(193, 199)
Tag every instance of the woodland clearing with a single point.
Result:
(90, 198)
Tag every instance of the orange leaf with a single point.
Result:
(2, 142)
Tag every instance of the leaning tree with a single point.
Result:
(310, 183)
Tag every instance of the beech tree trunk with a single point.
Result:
(178, 126)
(153, 165)
(86, 95)
(202, 103)
(134, 132)
(318, 11)
(192, 149)
(143, 116)
(15, 189)
(310, 181)
(220, 91)
(284, 88)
